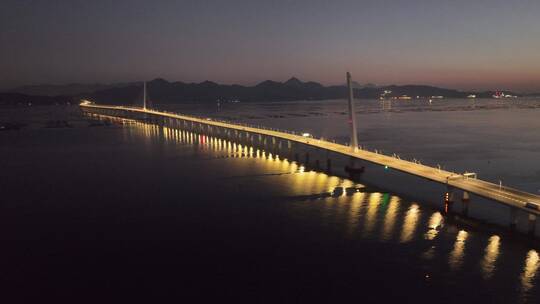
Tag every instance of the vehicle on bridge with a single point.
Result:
(532, 206)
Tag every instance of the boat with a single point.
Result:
(338, 191)
(351, 190)
(500, 94)
(532, 206)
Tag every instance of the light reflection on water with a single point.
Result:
(368, 215)
(374, 200)
(490, 256)
(435, 222)
(355, 207)
(532, 263)
(457, 254)
(390, 217)
(410, 223)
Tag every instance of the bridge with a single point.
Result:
(467, 184)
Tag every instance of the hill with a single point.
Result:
(162, 91)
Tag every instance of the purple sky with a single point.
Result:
(465, 44)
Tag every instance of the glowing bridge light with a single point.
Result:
(306, 134)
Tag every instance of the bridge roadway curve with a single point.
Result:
(505, 195)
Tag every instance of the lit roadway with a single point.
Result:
(505, 195)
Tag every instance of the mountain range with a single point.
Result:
(162, 91)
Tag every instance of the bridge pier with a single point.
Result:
(532, 224)
(328, 165)
(353, 170)
(317, 152)
(289, 150)
(307, 158)
(513, 218)
(465, 204)
(275, 147)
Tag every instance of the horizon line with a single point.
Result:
(13, 88)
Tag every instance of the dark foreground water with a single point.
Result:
(131, 212)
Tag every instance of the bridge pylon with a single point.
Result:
(352, 114)
(144, 95)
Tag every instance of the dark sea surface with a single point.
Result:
(125, 212)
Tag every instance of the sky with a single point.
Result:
(462, 44)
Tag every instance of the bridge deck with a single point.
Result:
(505, 195)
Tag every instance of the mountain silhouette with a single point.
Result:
(162, 91)
(295, 82)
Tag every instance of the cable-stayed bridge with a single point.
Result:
(387, 172)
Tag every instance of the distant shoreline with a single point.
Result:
(164, 92)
